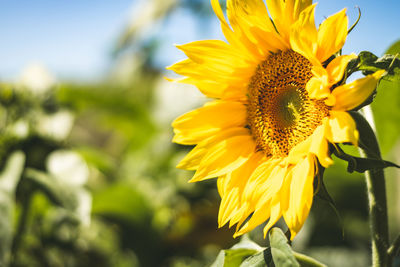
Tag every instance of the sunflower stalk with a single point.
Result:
(375, 181)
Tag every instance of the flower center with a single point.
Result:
(280, 114)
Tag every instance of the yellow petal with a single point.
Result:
(238, 40)
(267, 208)
(301, 195)
(318, 86)
(342, 128)
(285, 190)
(190, 68)
(224, 81)
(299, 6)
(337, 67)
(231, 188)
(257, 218)
(229, 203)
(264, 181)
(221, 184)
(197, 125)
(332, 35)
(251, 12)
(276, 214)
(303, 35)
(275, 8)
(319, 146)
(240, 215)
(213, 89)
(225, 156)
(219, 71)
(251, 19)
(285, 14)
(273, 184)
(229, 35)
(299, 152)
(192, 160)
(350, 96)
(214, 52)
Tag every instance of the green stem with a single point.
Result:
(306, 261)
(375, 180)
(22, 223)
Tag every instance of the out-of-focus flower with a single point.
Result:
(36, 78)
(68, 167)
(144, 14)
(57, 125)
(20, 128)
(280, 100)
(71, 170)
(166, 95)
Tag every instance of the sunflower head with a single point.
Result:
(284, 115)
(279, 101)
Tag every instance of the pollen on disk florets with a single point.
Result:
(280, 113)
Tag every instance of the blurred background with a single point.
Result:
(87, 166)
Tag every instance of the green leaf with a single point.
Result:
(76, 200)
(282, 253)
(122, 202)
(385, 109)
(394, 48)
(111, 108)
(386, 114)
(59, 193)
(362, 164)
(234, 256)
(219, 261)
(249, 254)
(369, 63)
(260, 259)
(9, 179)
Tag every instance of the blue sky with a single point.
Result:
(74, 38)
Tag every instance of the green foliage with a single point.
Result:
(136, 209)
(369, 63)
(278, 254)
(386, 109)
(260, 259)
(60, 194)
(123, 202)
(387, 93)
(362, 164)
(282, 253)
(237, 254)
(9, 179)
(111, 108)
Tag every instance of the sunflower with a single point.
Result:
(279, 101)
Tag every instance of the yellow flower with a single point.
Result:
(279, 101)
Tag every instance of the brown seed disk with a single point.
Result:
(280, 113)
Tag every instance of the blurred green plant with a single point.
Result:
(88, 175)
(93, 181)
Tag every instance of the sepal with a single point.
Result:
(362, 164)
